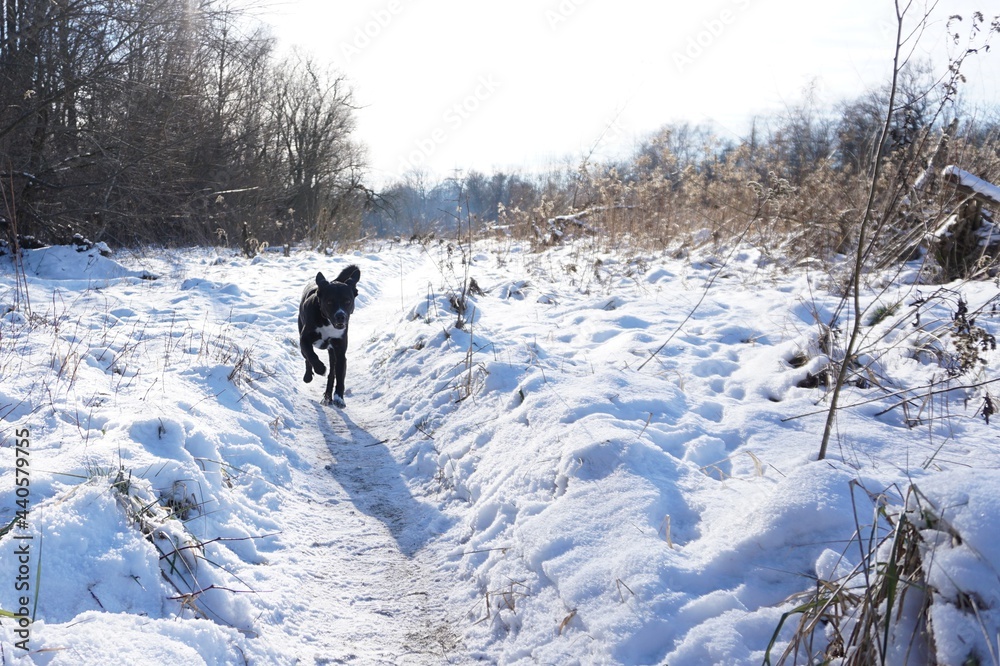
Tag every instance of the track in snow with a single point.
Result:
(357, 592)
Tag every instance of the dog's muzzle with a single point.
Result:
(339, 320)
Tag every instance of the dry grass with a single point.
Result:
(789, 211)
(880, 611)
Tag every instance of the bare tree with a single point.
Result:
(165, 121)
(314, 113)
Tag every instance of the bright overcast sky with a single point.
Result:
(526, 84)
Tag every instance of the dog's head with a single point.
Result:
(336, 298)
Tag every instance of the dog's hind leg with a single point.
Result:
(328, 393)
(338, 365)
(334, 394)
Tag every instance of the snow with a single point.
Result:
(974, 183)
(534, 486)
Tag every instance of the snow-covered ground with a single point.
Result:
(529, 484)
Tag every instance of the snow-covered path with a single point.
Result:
(355, 587)
(352, 586)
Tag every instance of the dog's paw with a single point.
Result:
(319, 368)
(308, 377)
(338, 401)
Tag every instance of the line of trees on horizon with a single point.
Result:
(800, 176)
(176, 122)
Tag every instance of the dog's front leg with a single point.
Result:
(312, 361)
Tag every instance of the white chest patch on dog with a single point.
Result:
(328, 333)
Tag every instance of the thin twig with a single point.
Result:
(859, 256)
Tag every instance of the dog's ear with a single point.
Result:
(350, 277)
(353, 280)
(320, 280)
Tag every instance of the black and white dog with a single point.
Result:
(324, 313)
